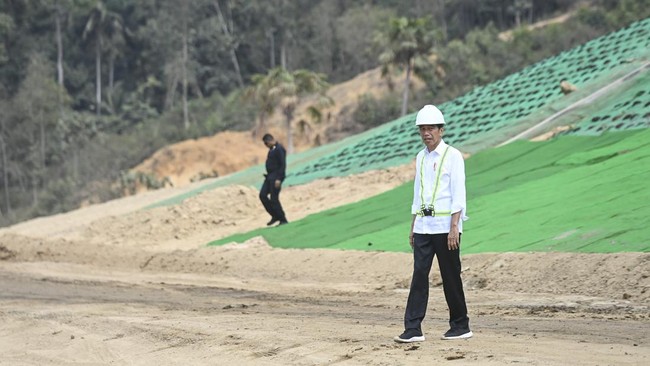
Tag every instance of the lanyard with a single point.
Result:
(437, 183)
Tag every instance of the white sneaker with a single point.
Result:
(410, 336)
(457, 334)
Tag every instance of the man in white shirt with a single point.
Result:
(438, 209)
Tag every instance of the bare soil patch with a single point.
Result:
(113, 284)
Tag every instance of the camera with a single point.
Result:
(428, 211)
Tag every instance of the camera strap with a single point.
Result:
(436, 184)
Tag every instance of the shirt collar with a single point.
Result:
(439, 149)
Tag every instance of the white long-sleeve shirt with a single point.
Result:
(451, 195)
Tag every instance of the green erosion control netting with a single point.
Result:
(627, 110)
(480, 119)
(574, 193)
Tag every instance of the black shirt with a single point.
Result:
(276, 162)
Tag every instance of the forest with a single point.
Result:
(90, 88)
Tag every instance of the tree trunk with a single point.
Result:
(283, 55)
(59, 59)
(42, 128)
(186, 118)
(270, 34)
(288, 113)
(5, 176)
(98, 74)
(111, 76)
(235, 62)
(257, 131)
(75, 163)
(289, 136)
(172, 87)
(228, 34)
(518, 18)
(59, 47)
(407, 82)
(34, 190)
(443, 21)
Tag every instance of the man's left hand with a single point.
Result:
(278, 183)
(453, 239)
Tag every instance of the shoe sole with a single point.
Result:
(462, 336)
(409, 340)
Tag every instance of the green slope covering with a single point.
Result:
(574, 193)
(629, 109)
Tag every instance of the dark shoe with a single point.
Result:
(410, 336)
(283, 222)
(273, 221)
(458, 334)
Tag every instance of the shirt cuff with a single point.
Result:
(414, 209)
(463, 215)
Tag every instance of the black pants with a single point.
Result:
(272, 205)
(425, 247)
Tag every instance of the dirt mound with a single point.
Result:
(621, 277)
(213, 156)
(209, 216)
(193, 223)
(232, 209)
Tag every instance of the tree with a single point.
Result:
(59, 9)
(518, 8)
(356, 54)
(171, 34)
(36, 105)
(6, 26)
(185, 40)
(227, 28)
(286, 90)
(100, 23)
(404, 40)
(264, 101)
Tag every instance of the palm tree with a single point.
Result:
(285, 89)
(265, 102)
(100, 22)
(403, 41)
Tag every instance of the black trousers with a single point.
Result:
(272, 204)
(425, 247)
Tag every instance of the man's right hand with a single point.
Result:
(411, 239)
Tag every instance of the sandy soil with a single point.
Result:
(113, 284)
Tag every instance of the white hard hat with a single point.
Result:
(429, 115)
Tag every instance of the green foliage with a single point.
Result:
(372, 112)
(356, 53)
(404, 39)
(404, 42)
(131, 181)
(285, 89)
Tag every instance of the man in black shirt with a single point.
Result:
(276, 163)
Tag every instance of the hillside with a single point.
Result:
(181, 165)
(573, 207)
(228, 152)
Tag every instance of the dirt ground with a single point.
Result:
(113, 284)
